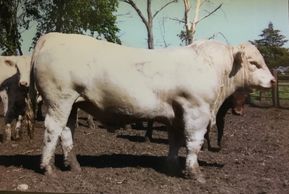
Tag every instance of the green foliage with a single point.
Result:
(94, 17)
(75, 16)
(186, 36)
(12, 22)
(271, 47)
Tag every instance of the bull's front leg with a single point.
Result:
(196, 121)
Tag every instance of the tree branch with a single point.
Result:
(216, 9)
(164, 6)
(217, 33)
(134, 6)
(178, 20)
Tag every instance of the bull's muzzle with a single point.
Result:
(273, 81)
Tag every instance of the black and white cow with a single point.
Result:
(16, 105)
(14, 90)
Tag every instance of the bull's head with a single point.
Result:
(250, 63)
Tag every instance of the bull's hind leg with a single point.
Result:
(196, 121)
(67, 142)
(53, 129)
(55, 122)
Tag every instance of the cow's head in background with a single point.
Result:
(254, 70)
(7, 69)
(239, 99)
(9, 66)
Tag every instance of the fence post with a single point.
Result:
(275, 93)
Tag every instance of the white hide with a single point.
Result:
(182, 87)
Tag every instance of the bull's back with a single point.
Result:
(110, 73)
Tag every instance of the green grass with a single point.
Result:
(284, 91)
(267, 94)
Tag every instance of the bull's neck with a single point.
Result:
(228, 86)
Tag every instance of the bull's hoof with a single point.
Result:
(75, 168)
(51, 174)
(200, 178)
(73, 163)
(196, 175)
(49, 171)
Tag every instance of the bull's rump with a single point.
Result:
(117, 78)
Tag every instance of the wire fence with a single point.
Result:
(277, 97)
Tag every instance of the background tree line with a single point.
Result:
(94, 17)
(271, 44)
(98, 19)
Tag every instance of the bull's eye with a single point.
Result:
(256, 64)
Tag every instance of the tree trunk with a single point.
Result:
(59, 22)
(148, 22)
(150, 26)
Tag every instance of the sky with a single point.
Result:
(238, 21)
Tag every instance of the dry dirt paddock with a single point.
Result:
(254, 159)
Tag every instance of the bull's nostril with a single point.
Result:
(273, 81)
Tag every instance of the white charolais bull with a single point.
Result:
(181, 87)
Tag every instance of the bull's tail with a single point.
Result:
(31, 100)
(31, 104)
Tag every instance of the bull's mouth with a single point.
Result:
(263, 86)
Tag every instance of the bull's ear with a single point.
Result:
(237, 62)
(10, 62)
(238, 54)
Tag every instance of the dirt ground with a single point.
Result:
(254, 159)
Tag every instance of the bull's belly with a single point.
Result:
(127, 113)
